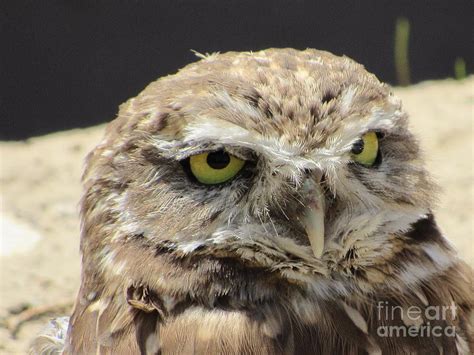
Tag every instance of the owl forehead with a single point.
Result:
(291, 101)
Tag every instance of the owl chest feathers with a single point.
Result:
(221, 305)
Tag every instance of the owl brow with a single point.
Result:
(230, 134)
(179, 150)
(211, 134)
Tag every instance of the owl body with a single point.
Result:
(265, 203)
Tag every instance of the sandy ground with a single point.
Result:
(40, 190)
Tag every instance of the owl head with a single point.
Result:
(252, 195)
(300, 161)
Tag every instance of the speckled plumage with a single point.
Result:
(175, 267)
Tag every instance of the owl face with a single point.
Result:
(270, 157)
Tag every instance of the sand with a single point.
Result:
(40, 189)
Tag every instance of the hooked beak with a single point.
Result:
(313, 216)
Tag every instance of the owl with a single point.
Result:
(270, 202)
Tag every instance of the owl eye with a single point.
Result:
(213, 168)
(366, 149)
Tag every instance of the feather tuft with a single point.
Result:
(51, 340)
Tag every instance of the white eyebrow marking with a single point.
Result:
(207, 130)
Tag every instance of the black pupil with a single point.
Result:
(218, 160)
(358, 147)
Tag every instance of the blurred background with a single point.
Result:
(68, 64)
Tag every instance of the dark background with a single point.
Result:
(67, 64)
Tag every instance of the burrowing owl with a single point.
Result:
(272, 202)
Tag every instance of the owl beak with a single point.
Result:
(313, 217)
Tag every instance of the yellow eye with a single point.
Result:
(365, 150)
(212, 168)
